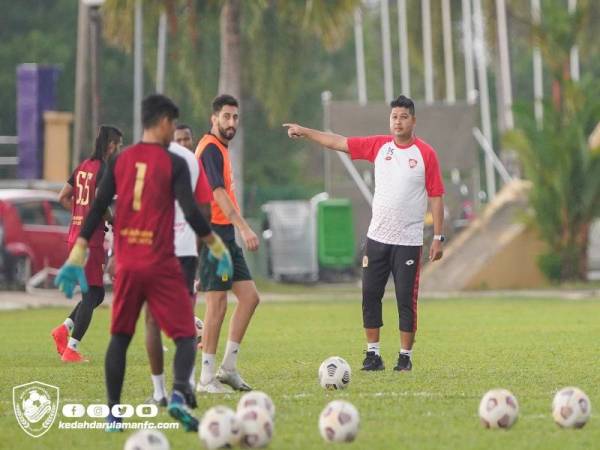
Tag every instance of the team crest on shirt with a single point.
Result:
(412, 163)
(389, 153)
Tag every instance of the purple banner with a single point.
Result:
(36, 93)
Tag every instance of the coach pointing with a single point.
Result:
(406, 174)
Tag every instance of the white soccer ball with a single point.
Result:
(571, 408)
(257, 398)
(334, 373)
(219, 428)
(339, 422)
(498, 409)
(147, 440)
(257, 427)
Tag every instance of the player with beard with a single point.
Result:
(214, 152)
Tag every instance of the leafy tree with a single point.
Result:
(564, 171)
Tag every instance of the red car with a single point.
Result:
(33, 233)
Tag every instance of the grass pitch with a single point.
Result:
(464, 347)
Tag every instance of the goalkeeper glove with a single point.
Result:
(72, 272)
(219, 251)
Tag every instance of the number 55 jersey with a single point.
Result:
(84, 180)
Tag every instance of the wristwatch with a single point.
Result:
(439, 237)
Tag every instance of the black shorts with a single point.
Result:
(189, 266)
(210, 281)
(404, 263)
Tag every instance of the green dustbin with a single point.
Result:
(335, 234)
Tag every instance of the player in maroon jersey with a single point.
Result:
(77, 195)
(147, 179)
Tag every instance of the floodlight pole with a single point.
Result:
(81, 83)
(161, 53)
(538, 86)
(467, 23)
(361, 74)
(574, 50)
(448, 52)
(484, 99)
(138, 81)
(403, 41)
(504, 65)
(388, 80)
(427, 50)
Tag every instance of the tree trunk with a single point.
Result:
(230, 82)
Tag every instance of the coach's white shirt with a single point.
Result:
(185, 238)
(404, 177)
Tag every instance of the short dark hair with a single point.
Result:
(404, 102)
(222, 100)
(184, 126)
(155, 107)
(106, 135)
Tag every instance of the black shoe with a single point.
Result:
(372, 361)
(404, 363)
(152, 401)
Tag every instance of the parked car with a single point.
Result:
(33, 233)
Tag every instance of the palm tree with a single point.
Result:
(267, 54)
(564, 171)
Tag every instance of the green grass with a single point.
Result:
(465, 347)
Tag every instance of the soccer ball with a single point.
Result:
(334, 373)
(219, 428)
(339, 422)
(498, 409)
(257, 427)
(571, 408)
(147, 440)
(257, 398)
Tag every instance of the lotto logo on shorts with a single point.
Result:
(365, 261)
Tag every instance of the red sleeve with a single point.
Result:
(366, 147)
(433, 176)
(203, 193)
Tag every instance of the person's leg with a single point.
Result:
(406, 262)
(216, 306)
(154, 348)
(61, 333)
(376, 270)
(90, 301)
(169, 304)
(189, 267)
(248, 300)
(114, 367)
(127, 304)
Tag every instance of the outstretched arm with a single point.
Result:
(330, 140)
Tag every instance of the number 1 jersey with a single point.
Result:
(144, 215)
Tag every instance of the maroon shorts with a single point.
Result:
(163, 288)
(94, 266)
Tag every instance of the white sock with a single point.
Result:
(232, 350)
(373, 347)
(69, 324)
(406, 352)
(208, 368)
(193, 378)
(73, 344)
(160, 390)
